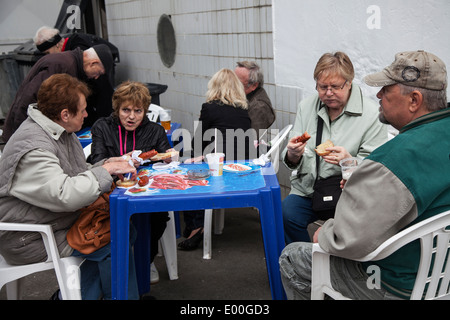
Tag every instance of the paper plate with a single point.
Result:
(236, 167)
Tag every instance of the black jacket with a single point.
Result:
(70, 62)
(223, 117)
(106, 142)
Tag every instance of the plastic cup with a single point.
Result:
(348, 165)
(165, 117)
(215, 163)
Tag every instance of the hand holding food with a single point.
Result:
(296, 148)
(321, 149)
(303, 138)
(331, 153)
(120, 167)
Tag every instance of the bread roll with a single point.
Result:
(126, 183)
(320, 149)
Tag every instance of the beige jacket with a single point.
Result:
(44, 178)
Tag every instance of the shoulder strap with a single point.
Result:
(318, 141)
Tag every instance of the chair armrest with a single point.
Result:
(45, 230)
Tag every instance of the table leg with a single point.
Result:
(273, 237)
(120, 234)
(142, 251)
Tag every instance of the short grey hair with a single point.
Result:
(434, 100)
(255, 73)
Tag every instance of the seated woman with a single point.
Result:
(350, 122)
(129, 129)
(225, 110)
(45, 180)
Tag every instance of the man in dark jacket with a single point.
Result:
(48, 40)
(88, 64)
(260, 108)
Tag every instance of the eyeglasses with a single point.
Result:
(332, 88)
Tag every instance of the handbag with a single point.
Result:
(325, 197)
(326, 191)
(91, 231)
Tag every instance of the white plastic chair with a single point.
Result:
(67, 269)
(273, 154)
(168, 244)
(219, 221)
(219, 217)
(87, 150)
(434, 235)
(153, 112)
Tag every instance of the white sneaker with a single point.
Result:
(154, 275)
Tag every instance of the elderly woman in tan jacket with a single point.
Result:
(45, 179)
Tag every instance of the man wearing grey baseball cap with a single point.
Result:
(402, 182)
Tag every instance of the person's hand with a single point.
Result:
(128, 157)
(174, 158)
(316, 235)
(194, 160)
(295, 150)
(337, 154)
(118, 159)
(119, 168)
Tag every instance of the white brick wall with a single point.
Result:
(210, 34)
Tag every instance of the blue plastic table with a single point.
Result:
(224, 192)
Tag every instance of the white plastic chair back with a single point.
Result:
(433, 276)
(67, 269)
(168, 244)
(87, 150)
(274, 153)
(153, 112)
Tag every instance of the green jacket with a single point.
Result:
(357, 129)
(401, 183)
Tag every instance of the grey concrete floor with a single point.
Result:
(237, 270)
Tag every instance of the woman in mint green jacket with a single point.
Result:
(350, 122)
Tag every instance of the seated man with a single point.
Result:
(45, 179)
(260, 108)
(387, 192)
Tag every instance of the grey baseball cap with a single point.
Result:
(412, 68)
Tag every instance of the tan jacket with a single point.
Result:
(44, 178)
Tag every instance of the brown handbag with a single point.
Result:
(91, 231)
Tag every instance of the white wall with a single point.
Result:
(19, 20)
(210, 35)
(369, 31)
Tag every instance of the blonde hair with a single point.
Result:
(226, 87)
(134, 92)
(331, 64)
